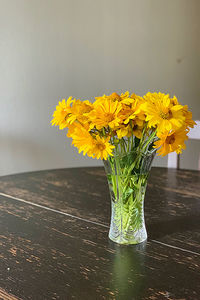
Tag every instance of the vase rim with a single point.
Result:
(147, 153)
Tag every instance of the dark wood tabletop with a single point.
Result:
(54, 238)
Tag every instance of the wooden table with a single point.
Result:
(54, 238)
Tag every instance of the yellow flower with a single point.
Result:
(93, 146)
(171, 141)
(125, 113)
(135, 110)
(135, 127)
(71, 129)
(75, 127)
(124, 98)
(113, 97)
(133, 99)
(124, 131)
(124, 95)
(162, 113)
(174, 101)
(101, 148)
(78, 111)
(61, 113)
(105, 114)
(82, 139)
(188, 117)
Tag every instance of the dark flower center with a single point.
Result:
(170, 139)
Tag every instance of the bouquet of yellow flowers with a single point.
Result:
(126, 120)
(126, 131)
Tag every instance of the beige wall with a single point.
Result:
(50, 49)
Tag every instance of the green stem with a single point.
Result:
(149, 141)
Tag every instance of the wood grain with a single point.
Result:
(45, 255)
(6, 296)
(172, 201)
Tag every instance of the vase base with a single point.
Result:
(122, 241)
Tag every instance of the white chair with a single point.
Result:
(174, 159)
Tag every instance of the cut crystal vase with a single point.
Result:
(127, 175)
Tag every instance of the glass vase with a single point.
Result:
(127, 175)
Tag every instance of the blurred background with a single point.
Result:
(53, 49)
